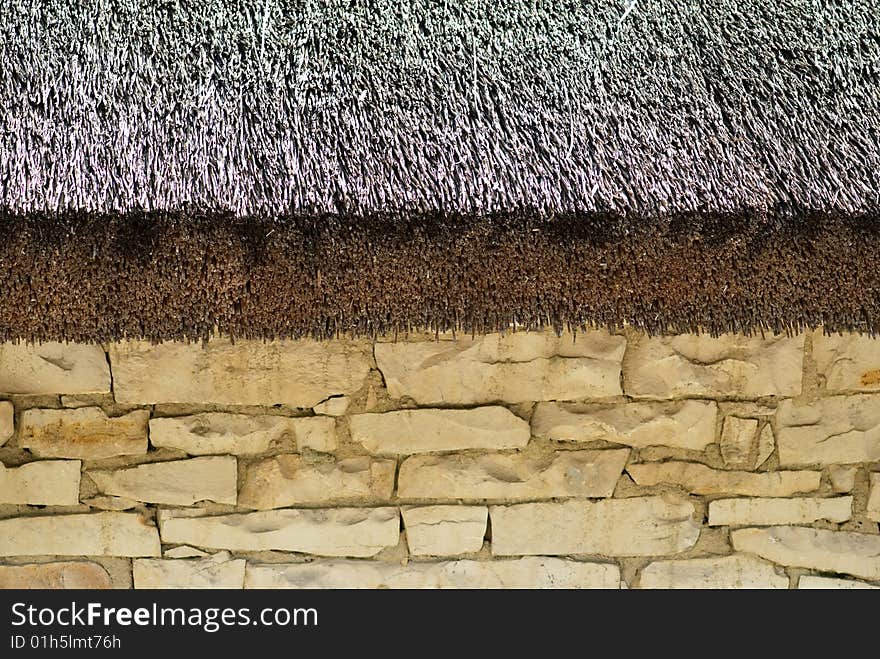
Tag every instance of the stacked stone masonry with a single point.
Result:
(522, 460)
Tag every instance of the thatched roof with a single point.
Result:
(283, 107)
(187, 152)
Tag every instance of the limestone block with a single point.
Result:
(515, 368)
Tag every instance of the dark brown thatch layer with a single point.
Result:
(95, 278)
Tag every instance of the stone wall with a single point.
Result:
(525, 460)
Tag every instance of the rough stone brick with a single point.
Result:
(98, 534)
(420, 431)
(641, 526)
(353, 532)
(85, 433)
(512, 476)
(843, 552)
(55, 576)
(445, 530)
(53, 368)
(287, 480)
(728, 366)
(178, 482)
(688, 424)
(218, 433)
(515, 368)
(295, 373)
(42, 483)
(717, 572)
(835, 430)
(768, 512)
(529, 572)
(217, 571)
(699, 479)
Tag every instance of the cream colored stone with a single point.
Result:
(529, 572)
(874, 498)
(717, 572)
(514, 368)
(768, 512)
(316, 433)
(843, 478)
(729, 366)
(809, 582)
(356, 532)
(55, 576)
(445, 530)
(738, 440)
(843, 552)
(847, 363)
(296, 373)
(688, 424)
(336, 406)
(7, 422)
(836, 430)
(185, 551)
(97, 534)
(85, 433)
(217, 571)
(218, 433)
(511, 477)
(76, 401)
(43, 483)
(179, 482)
(641, 526)
(766, 445)
(110, 503)
(53, 368)
(420, 431)
(699, 479)
(287, 480)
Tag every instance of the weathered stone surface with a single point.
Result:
(843, 478)
(217, 433)
(530, 572)
(731, 365)
(641, 526)
(738, 440)
(808, 582)
(847, 363)
(217, 571)
(185, 551)
(103, 502)
(336, 406)
(843, 552)
(767, 512)
(316, 433)
(43, 483)
(420, 431)
(515, 368)
(295, 373)
(85, 433)
(287, 480)
(179, 482)
(445, 530)
(717, 572)
(874, 498)
(98, 534)
(766, 445)
(688, 424)
(700, 479)
(840, 429)
(53, 368)
(7, 422)
(356, 532)
(55, 576)
(511, 477)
